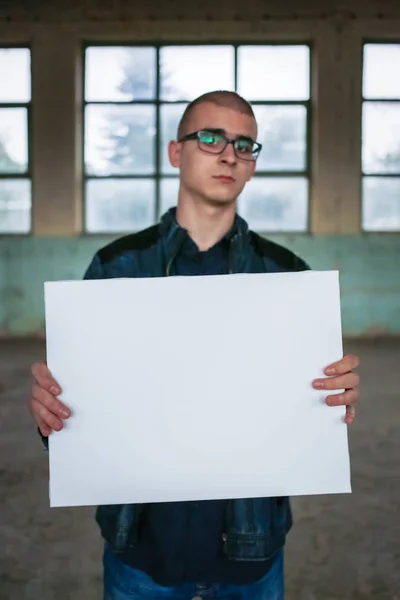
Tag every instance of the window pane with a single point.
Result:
(381, 137)
(275, 203)
(15, 75)
(120, 74)
(381, 204)
(274, 72)
(15, 205)
(119, 139)
(381, 77)
(282, 132)
(169, 189)
(170, 117)
(119, 205)
(13, 140)
(189, 71)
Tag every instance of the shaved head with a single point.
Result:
(222, 98)
(207, 178)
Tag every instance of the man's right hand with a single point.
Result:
(43, 404)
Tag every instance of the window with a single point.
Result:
(276, 79)
(15, 183)
(134, 99)
(381, 138)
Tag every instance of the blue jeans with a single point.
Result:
(122, 582)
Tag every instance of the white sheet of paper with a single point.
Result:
(195, 388)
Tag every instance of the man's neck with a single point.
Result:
(206, 225)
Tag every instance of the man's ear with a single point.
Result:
(174, 154)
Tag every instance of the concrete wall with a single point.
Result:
(56, 249)
(369, 275)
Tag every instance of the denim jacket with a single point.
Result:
(254, 528)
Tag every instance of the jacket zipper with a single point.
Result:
(230, 255)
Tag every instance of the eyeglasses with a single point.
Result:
(214, 141)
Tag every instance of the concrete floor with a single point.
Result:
(342, 547)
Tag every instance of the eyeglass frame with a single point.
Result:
(195, 136)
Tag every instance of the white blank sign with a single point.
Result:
(195, 388)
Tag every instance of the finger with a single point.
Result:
(43, 416)
(345, 399)
(44, 378)
(344, 365)
(350, 415)
(348, 381)
(50, 402)
(45, 430)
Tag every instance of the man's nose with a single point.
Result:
(228, 155)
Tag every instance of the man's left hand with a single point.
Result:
(341, 376)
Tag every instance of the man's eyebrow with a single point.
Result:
(240, 136)
(214, 130)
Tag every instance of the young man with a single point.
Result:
(229, 549)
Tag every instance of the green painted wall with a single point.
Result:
(369, 269)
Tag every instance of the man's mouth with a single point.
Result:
(224, 178)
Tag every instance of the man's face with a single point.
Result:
(216, 178)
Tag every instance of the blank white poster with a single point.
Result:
(195, 388)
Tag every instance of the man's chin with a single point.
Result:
(218, 199)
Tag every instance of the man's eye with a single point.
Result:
(211, 139)
(245, 146)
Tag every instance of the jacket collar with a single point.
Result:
(173, 236)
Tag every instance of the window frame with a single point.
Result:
(157, 176)
(382, 42)
(28, 174)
